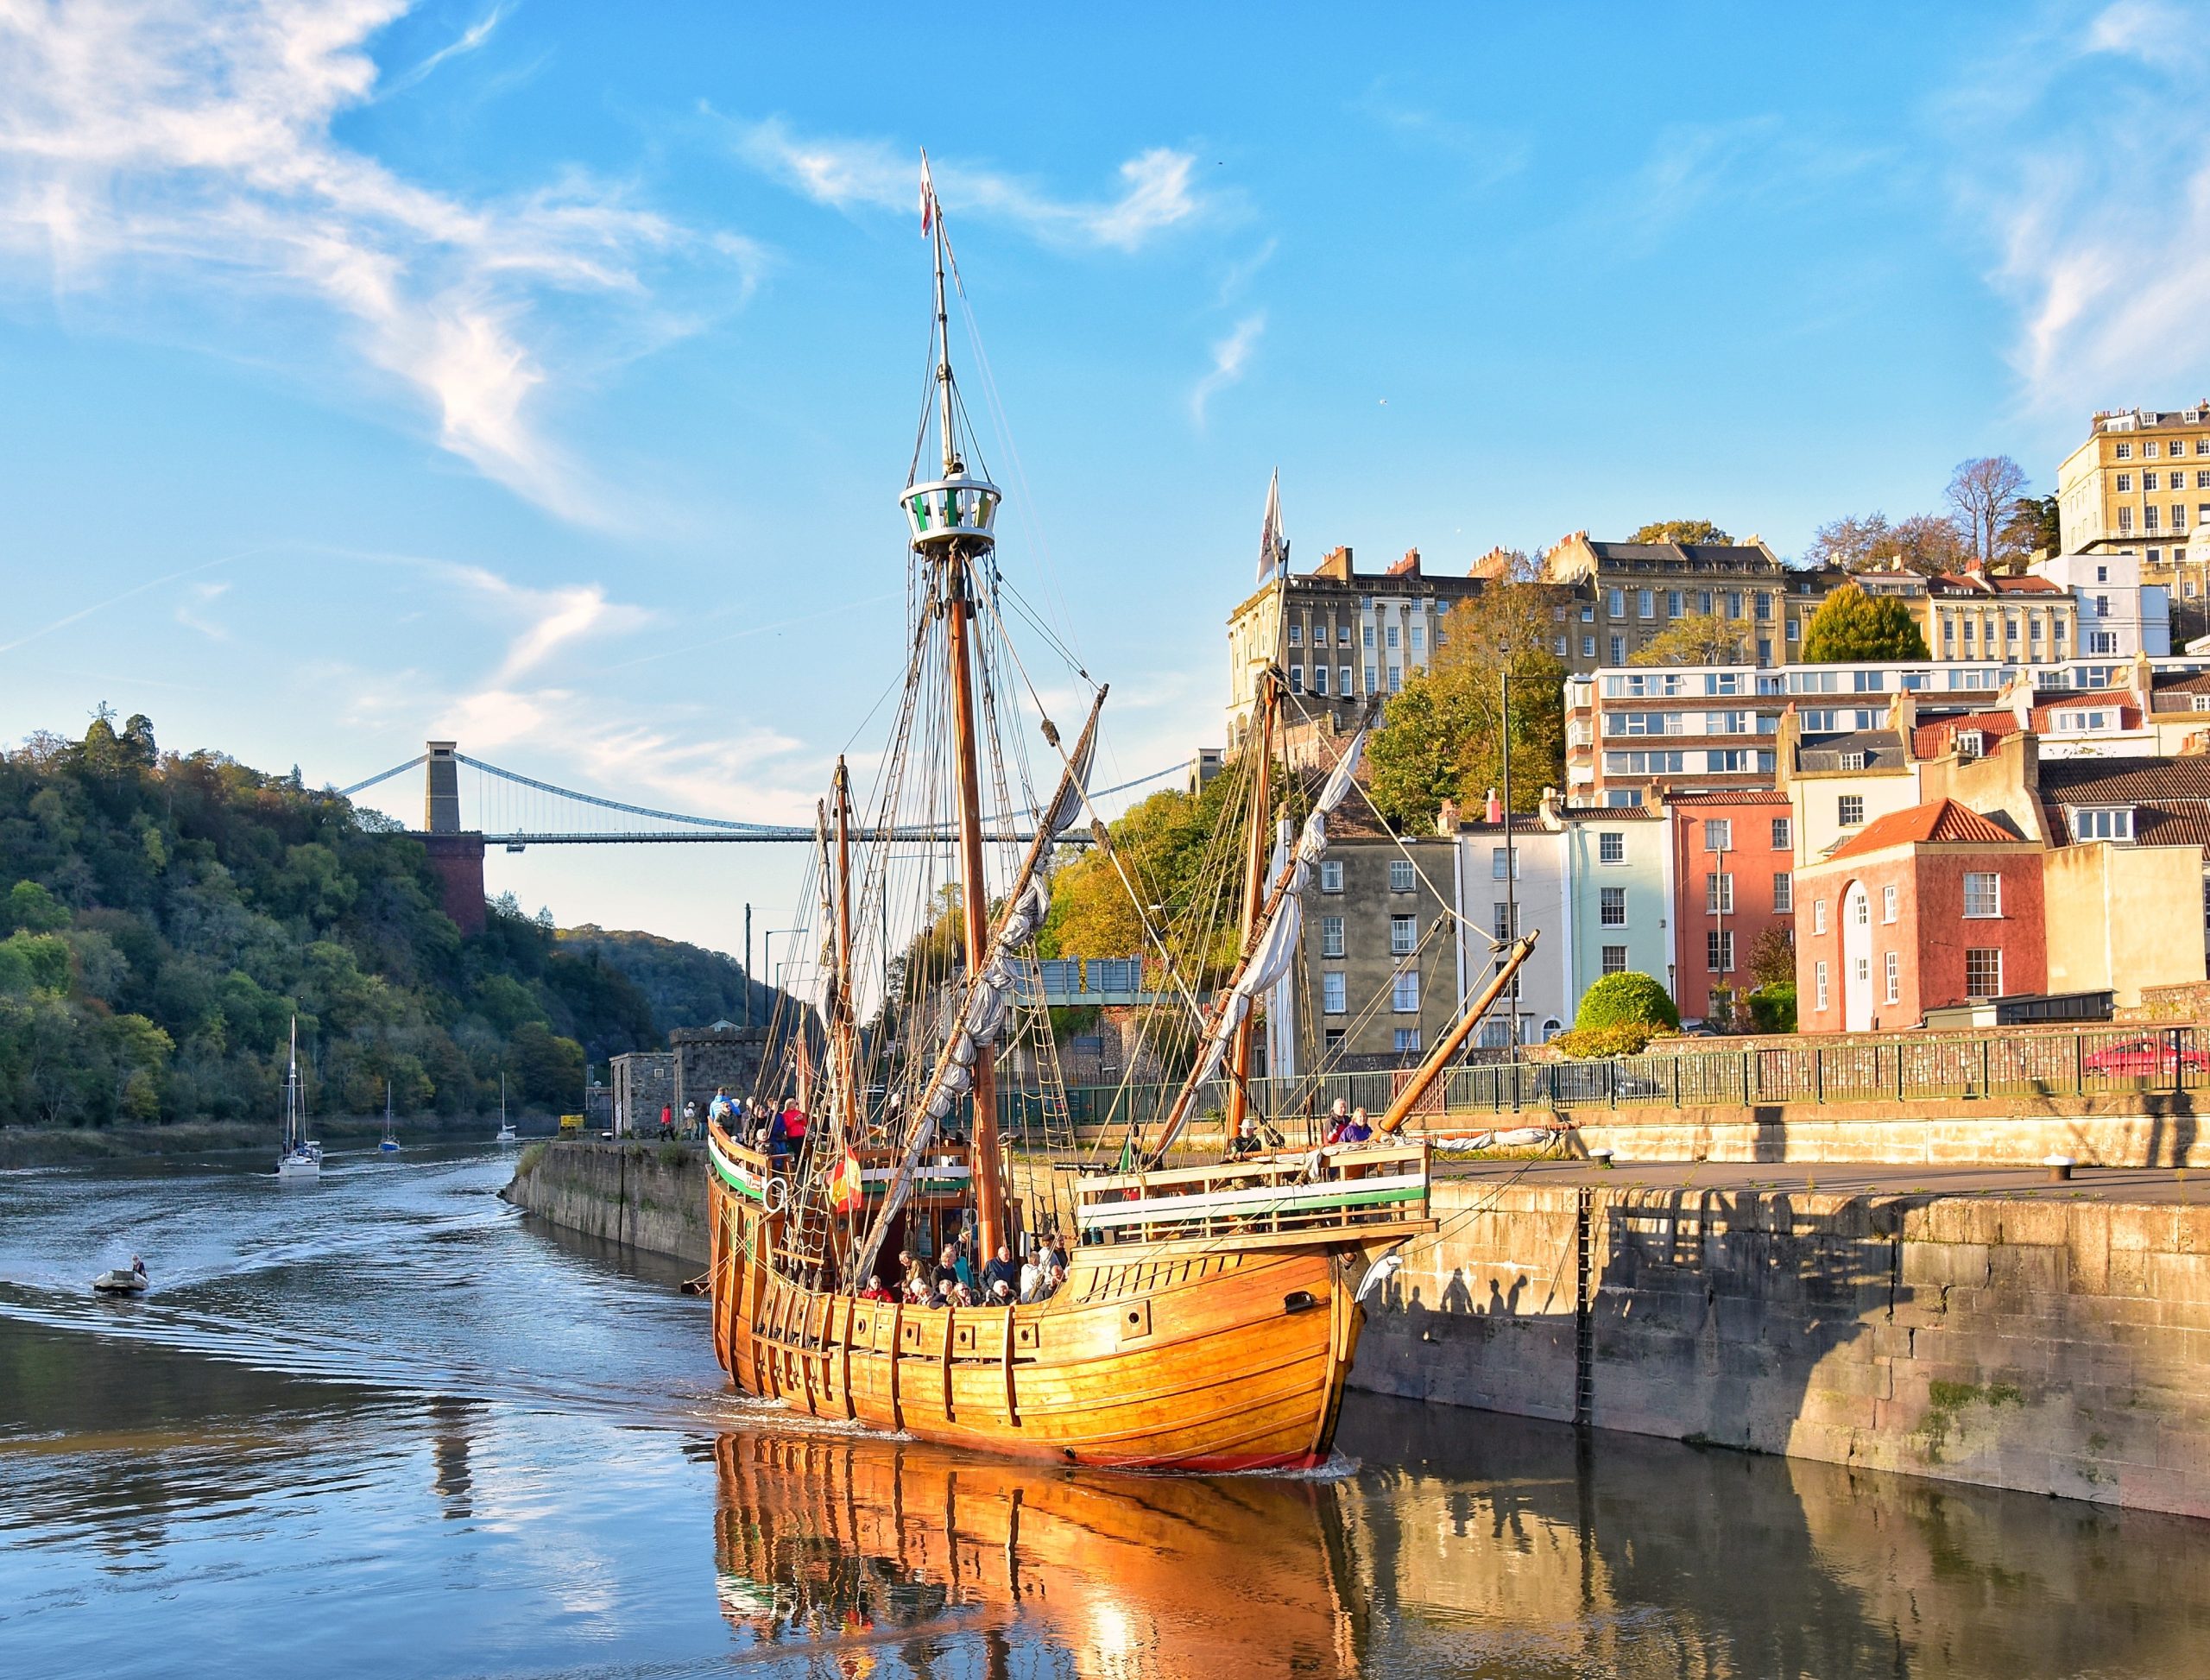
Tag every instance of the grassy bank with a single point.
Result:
(61, 1145)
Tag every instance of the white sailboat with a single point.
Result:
(391, 1144)
(301, 1158)
(506, 1125)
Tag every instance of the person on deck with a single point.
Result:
(667, 1120)
(1357, 1131)
(964, 1268)
(1247, 1141)
(721, 1107)
(778, 1137)
(1031, 1277)
(1338, 1117)
(875, 1292)
(794, 1123)
(1001, 1270)
(948, 1268)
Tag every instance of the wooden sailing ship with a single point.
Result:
(1211, 1312)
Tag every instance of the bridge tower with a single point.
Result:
(456, 855)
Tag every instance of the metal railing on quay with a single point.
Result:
(2041, 1062)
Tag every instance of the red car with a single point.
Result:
(2159, 1057)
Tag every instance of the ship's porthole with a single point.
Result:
(1298, 1301)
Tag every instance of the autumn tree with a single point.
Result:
(1924, 543)
(1982, 490)
(1698, 639)
(1851, 626)
(1442, 737)
(1680, 530)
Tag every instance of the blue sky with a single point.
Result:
(543, 374)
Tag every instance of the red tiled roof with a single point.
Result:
(1744, 796)
(1934, 739)
(2078, 781)
(2129, 714)
(1938, 822)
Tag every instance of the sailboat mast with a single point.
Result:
(1255, 892)
(847, 1049)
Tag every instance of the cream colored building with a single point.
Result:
(1971, 616)
(2142, 480)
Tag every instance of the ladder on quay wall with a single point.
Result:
(1584, 1326)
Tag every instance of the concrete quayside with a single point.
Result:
(1973, 1324)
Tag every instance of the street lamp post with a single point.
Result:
(1510, 880)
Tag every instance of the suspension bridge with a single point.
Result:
(464, 816)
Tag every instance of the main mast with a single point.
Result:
(950, 522)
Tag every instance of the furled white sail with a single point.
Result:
(1276, 945)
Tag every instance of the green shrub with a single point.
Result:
(1627, 1038)
(1620, 999)
(1773, 1006)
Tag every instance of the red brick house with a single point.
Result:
(1931, 906)
(1733, 858)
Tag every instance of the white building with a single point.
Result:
(2119, 615)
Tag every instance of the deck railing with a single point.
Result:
(2103, 1060)
(1353, 1185)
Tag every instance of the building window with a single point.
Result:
(1334, 998)
(2125, 452)
(1391, 637)
(1319, 680)
(1297, 635)
(1616, 604)
(1404, 991)
(1497, 861)
(2125, 528)
(1588, 648)
(1619, 650)
(1983, 894)
(1818, 915)
(1334, 1041)
(1645, 603)
(1864, 911)
(1496, 1033)
(1783, 893)
(1611, 910)
(1894, 961)
(1342, 673)
(1331, 936)
(1719, 895)
(2113, 823)
(1416, 638)
(1718, 950)
(1849, 810)
(1369, 635)
(1889, 897)
(1504, 920)
(2148, 481)
(1407, 1039)
(1615, 959)
(1400, 875)
(1560, 648)
(1851, 761)
(1342, 635)
(1781, 841)
(1331, 874)
(1395, 679)
(1589, 613)
(1610, 847)
(1404, 935)
(1718, 835)
(1372, 685)
(1297, 679)
(1819, 987)
(1673, 596)
(1983, 971)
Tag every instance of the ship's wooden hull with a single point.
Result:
(1201, 1356)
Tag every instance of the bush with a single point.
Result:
(1629, 1038)
(1619, 1000)
(1773, 1006)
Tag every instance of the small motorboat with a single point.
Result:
(121, 1281)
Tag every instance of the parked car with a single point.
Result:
(2160, 1057)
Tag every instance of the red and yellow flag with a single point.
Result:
(844, 1190)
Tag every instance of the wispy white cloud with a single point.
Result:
(2083, 152)
(544, 621)
(1485, 155)
(192, 612)
(1155, 194)
(1229, 358)
(467, 42)
(191, 140)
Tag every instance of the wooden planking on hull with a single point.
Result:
(1216, 1359)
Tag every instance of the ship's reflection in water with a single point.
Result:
(876, 1549)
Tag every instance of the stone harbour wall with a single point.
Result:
(648, 1195)
(2049, 1345)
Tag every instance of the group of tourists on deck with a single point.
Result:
(1346, 1125)
(954, 1281)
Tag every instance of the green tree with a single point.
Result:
(1679, 530)
(1773, 958)
(1443, 736)
(1697, 639)
(1627, 998)
(2033, 525)
(1852, 626)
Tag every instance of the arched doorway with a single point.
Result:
(1856, 959)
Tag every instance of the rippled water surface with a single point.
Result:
(386, 1426)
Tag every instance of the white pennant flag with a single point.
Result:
(928, 198)
(1273, 548)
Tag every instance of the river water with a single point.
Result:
(386, 1425)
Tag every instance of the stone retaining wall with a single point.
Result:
(650, 1196)
(2050, 1345)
